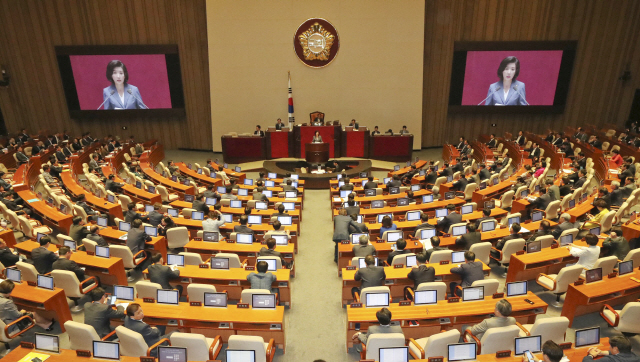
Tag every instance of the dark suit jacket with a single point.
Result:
(437, 248)
(61, 157)
(43, 259)
(347, 187)
(449, 220)
(99, 316)
(425, 225)
(396, 252)
(492, 143)
(155, 218)
(242, 229)
(70, 265)
(431, 178)
(150, 334)
(542, 202)
(469, 272)
(78, 232)
(370, 185)
(468, 239)
(98, 239)
(7, 258)
(565, 190)
(560, 228)
(616, 197)
(131, 215)
(618, 247)
(136, 239)
(580, 182)
(371, 276)
(460, 184)
(422, 274)
(161, 274)
(353, 210)
(484, 174)
(501, 242)
(200, 206)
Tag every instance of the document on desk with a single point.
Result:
(123, 305)
(427, 244)
(123, 237)
(524, 230)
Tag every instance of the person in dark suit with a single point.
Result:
(7, 257)
(155, 216)
(564, 224)
(362, 226)
(595, 142)
(347, 186)
(626, 173)
(542, 201)
(136, 237)
(469, 272)
(352, 209)
(483, 173)
(543, 230)
(565, 188)
(375, 131)
(243, 228)
(258, 131)
(99, 314)
(111, 185)
(520, 139)
(42, 257)
(370, 184)
(370, 276)
(384, 318)
(341, 224)
(395, 182)
(286, 187)
(20, 156)
(460, 183)
(401, 245)
(515, 234)
(279, 125)
(151, 335)
(91, 213)
(270, 250)
(628, 188)
(258, 195)
(435, 243)
(420, 273)
(200, 205)
(24, 136)
(132, 214)
(486, 215)
(431, 176)
(60, 155)
(492, 143)
(161, 274)
(471, 237)
(447, 221)
(363, 248)
(615, 196)
(64, 262)
(620, 352)
(616, 245)
(94, 236)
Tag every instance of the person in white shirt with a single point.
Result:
(587, 256)
(213, 222)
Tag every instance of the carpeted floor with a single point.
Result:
(316, 322)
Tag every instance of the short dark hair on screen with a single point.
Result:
(503, 65)
(113, 65)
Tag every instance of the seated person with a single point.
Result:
(132, 214)
(421, 272)
(161, 274)
(363, 248)
(435, 243)
(425, 224)
(151, 335)
(543, 230)
(502, 319)
(243, 228)
(270, 250)
(42, 257)
(352, 209)
(620, 352)
(596, 220)
(515, 234)
(7, 256)
(471, 237)
(369, 276)
(401, 244)
(370, 184)
(387, 225)
(616, 245)
(452, 218)
(587, 256)
(347, 185)
(469, 271)
(98, 314)
(384, 318)
(486, 215)
(263, 279)
(357, 225)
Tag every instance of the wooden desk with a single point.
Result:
(529, 266)
(203, 178)
(8, 236)
(244, 251)
(631, 230)
(136, 194)
(42, 300)
(401, 210)
(65, 355)
(234, 281)
(231, 173)
(588, 298)
(207, 321)
(420, 164)
(397, 279)
(101, 204)
(494, 235)
(296, 214)
(345, 253)
(460, 314)
(337, 201)
(146, 160)
(157, 244)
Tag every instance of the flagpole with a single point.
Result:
(290, 104)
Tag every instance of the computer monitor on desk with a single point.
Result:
(345, 193)
(393, 236)
(47, 343)
(13, 274)
(536, 215)
(426, 199)
(285, 220)
(355, 237)
(393, 354)
(587, 337)
(243, 192)
(423, 297)
(593, 275)
(514, 219)
(210, 236)
(107, 350)
(363, 264)
(168, 296)
(124, 226)
(263, 301)
(472, 294)
(246, 239)
(488, 226)
(625, 267)
(534, 246)
(175, 259)
(442, 212)
(236, 204)
(45, 282)
(237, 355)
(410, 261)
(457, 257)
(220, 263)
(377, 300)
(461, 352)
(413, 215)
(459, 230)
(532, 344)
(122, 292)
(172, 354)
(254, 219)
(595, 231)
(516, 288)
(217, 300)
(427, 233)
(190, 198)
(466, 209)
(70, 244)
(103, 221)
(566, 239)
(261, 205)
(197, 215)
(381, 216)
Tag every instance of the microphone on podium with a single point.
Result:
(105, 101)
(515, 88)
(139, 100)
(497, 89)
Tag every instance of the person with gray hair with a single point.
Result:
(502, 318)
(565, 224)
(363, 248)
(615, 196)
(620, 351)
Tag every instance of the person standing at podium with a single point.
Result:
(279, 124)
(258, 132)
(317, 138)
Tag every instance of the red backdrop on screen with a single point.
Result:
(148, 72)
(538, 71)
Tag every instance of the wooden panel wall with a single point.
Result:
(30, 29)
(608, 34)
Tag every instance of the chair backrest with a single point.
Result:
(552, 328)
(486, 222)
(439, 181)
(474, 205)
(439, 287)
(196, 345)
(67, 280)
(564, 204)
(633, 255)
(382, 340)
(545, 240)
(401, 259)
(123, 252)
(132, 343)
(234, 259)
(572, 231)
(254, 343)
(62, 237)
(275, 258)
(607, 221)
(89, 245)
(608, 263)
(78, 211)
(469, 189)
(505, 220)
(439, 255)
(450, 231)
(365, 291)
(124, 201)
(490, 285)
(482, 251)
(164, 195)
(25, 226)
(552, 210)
(177, 237)
(191, 258)
(629, 318)
(81, 336)
(566, 276)
(437, 343)
(247, 295)
(507, 199)
(28, 272)
(147, 289)
(196, 291)
(186, 212)
(499, 339)
(511, 247)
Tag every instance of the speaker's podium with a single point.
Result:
(317, 152)
(330, 132)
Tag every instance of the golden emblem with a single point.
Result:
(316, 42)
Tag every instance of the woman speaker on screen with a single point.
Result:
(120, 94)
(508, 91)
